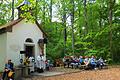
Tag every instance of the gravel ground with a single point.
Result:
(104, 74)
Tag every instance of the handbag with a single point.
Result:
(10, 74)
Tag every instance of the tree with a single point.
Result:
(85, 16)
(50, 10)
(72, 23)
(111, 5)
(64, 25)
(89, 25)
(12, 10)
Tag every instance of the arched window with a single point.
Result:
(29, 40)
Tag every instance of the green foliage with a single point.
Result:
(2, 22)
(94, 42)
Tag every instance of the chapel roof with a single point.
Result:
(7, 26)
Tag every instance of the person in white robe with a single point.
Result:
(40, 62)
(31, 64)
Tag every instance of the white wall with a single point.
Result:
(16, 39)
(3, 39)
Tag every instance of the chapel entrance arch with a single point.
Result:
(29, 48)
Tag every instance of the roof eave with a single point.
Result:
(8, 27)
(45, 35)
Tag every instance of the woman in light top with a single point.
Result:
(86, 61)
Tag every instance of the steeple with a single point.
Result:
(20, 11)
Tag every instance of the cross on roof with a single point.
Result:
(25, 2)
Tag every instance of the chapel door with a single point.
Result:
(29, 51)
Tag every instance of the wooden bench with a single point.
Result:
(83, 66)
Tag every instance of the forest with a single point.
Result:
(73, 27)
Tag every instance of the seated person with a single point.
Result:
(66, 61)
(75, 62)
(93, 62)
(86, 61)
(100, 63)
(8, 67)
(81, 60)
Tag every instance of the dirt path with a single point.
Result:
(105, 74)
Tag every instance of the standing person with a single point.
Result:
(39, 64)
(38, 61)
(43, 62)
(9, 67)
(31, 64)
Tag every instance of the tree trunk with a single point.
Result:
(79, 18)
(50, 10)
(44, 13)
(85, 16)
(111, 5)
(12, 10)
(36, 10)
(72, 24)
(64, 25)
(100, 16)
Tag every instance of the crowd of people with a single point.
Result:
(89, 62)
(9, 72)
(75, 62)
